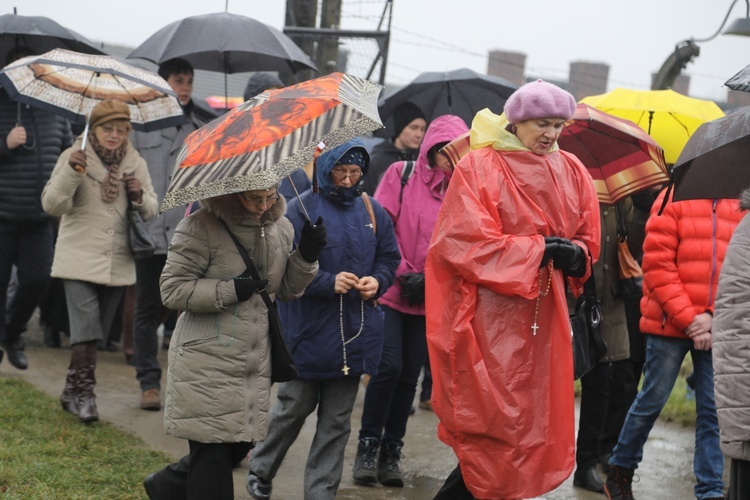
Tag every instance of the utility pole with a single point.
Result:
(302, 13)
(328, 51)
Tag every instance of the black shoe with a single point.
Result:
(389, 465)
(16, 356)
(588, 479)
(619, 483)
(150, 487)
(604, 463)
(51, 337)
(364, 464)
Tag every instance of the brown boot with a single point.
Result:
(87, 412)
(69, 396)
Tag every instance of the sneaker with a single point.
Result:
(619, 483)
(151, 400)
(259, 488)
(364, 464)
(389, 460)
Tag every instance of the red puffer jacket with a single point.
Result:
(682, 257)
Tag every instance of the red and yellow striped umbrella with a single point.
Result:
(270, 136)
(621, 158)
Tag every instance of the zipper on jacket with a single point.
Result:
(713, 256)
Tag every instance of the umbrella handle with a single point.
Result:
(296, 193)
(85, 135)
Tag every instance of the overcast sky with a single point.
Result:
(633, 37)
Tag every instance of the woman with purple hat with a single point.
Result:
(519, 222)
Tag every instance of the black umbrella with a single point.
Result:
(740, 81)
(461, 92)
(229, 43)
(40, 34)
(714, 162)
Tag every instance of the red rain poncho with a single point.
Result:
(504, 396)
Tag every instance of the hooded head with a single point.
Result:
(260, 82)
(539, 99)
(441, 131)
(350, 153)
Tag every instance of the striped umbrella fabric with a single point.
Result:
(740, 81)
(268, 137)
(70, 84)
(620, 157)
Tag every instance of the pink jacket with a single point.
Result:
(415, 214)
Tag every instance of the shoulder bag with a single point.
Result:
(588, 345)
(142, 244)
(283, 368)
(631, 275)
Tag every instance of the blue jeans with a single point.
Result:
(390, 393)
(664, 357)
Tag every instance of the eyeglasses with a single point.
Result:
(340, 174)
(260, 200)
(109, 129)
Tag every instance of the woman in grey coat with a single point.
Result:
(219, 372)
(731, 356)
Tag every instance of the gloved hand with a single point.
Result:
(312, 240)
(412, 287)
(77, 161)
(570, 258)
(245, 288)
(551, 244)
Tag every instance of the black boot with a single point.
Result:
(364, 463)
(619, 483)
(16, 356)
(587, 478)
(86, 380)
(389, 471)
(51, 337)
(69, 396)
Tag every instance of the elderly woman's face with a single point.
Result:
(112, 134)
(259, 201)
(346, 175)
(539, 135)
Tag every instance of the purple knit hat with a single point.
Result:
(539, 99)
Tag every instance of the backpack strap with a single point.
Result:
(406, 174)
(370, 211)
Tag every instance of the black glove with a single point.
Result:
(312, 240)
(245, 288)
(412, 287)
(570, 258)
(551, 244)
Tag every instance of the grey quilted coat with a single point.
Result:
(218, 379)
(731, 343)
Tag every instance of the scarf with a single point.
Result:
(111, 160)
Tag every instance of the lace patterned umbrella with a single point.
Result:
(70, 84)
(263, 140)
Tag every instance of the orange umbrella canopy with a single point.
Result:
(621, 158)
(668, 117)
(270, 136)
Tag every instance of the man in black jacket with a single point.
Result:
(30, 142)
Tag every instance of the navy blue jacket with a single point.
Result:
(312, 323)
(25, 170)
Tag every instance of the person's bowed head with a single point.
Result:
(537, 112)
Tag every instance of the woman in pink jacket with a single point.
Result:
(413, 201)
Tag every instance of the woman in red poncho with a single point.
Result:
(518, 218)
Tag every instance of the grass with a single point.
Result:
(47, 453)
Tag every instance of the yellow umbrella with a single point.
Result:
(668, 117)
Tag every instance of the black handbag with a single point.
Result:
(283, 368)
(142, 243)
(412, 287)
(588, 345)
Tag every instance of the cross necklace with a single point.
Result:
(346, 368)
